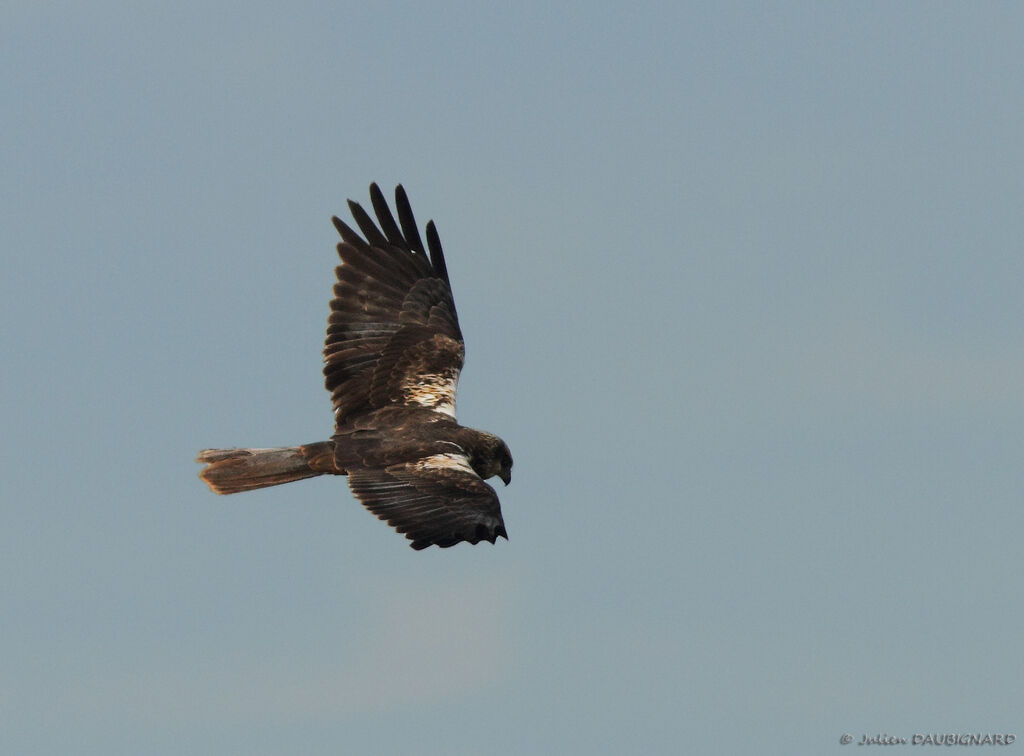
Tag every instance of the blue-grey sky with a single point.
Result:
(741, 288)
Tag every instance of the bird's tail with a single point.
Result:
(232, 470)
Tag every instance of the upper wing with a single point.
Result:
(393, 335)
(436, 500)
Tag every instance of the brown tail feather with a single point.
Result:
(234, 470)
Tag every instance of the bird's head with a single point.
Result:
(505, 460)
(493, 458)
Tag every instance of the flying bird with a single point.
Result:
(392, 361)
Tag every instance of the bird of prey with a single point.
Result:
(393, 355)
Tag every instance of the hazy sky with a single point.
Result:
(741, 287)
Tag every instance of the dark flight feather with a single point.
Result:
(408, 221)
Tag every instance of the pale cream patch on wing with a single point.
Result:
(436, 392)
(446, 462)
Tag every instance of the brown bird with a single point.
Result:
(393, 356)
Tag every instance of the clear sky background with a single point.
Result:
(741, 287)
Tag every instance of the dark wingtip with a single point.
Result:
(348, 234)
(408, 220)
(385, 218)
(366, 225)
(436, 253)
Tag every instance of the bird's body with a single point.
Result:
(393, 356)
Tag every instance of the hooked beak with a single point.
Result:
(506, 476)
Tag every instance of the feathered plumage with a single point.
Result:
(392, 360)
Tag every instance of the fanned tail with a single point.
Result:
(233, 470)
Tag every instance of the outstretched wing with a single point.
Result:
(393, 335)
(436, 500)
